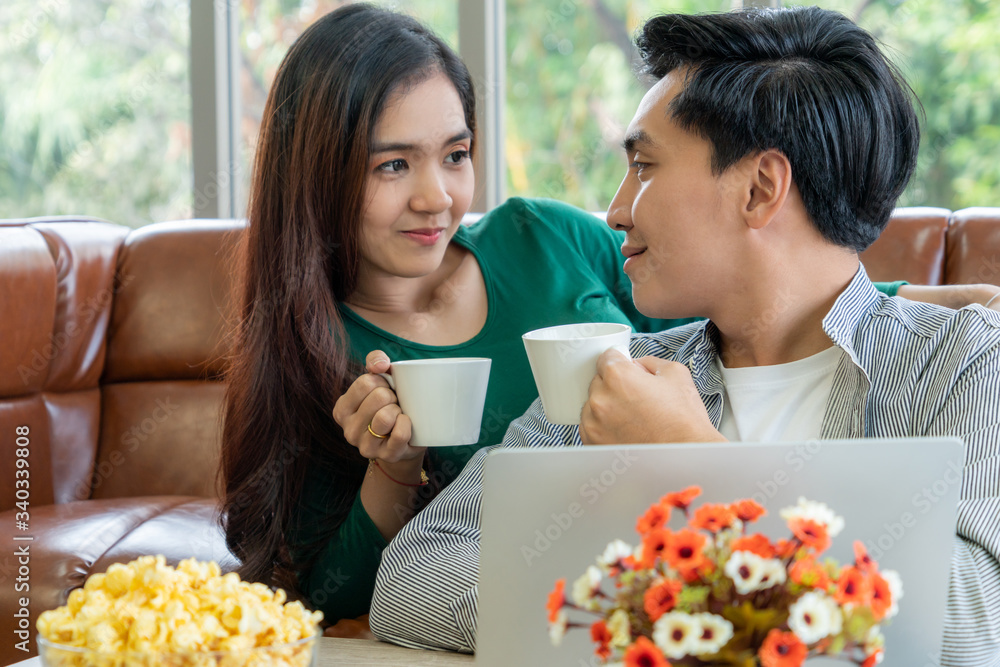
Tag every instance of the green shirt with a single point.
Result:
(544, 263)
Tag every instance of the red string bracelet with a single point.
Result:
(423, 474)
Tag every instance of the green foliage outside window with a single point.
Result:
(570, 95)
(95, 95)
(95, 109)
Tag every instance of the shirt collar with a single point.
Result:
(858, 301)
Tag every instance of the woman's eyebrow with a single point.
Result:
(404, 147)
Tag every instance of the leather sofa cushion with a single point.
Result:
(973, 243)
(159, 438)
(911, 248)
(172, 303)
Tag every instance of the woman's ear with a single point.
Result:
(770, 180)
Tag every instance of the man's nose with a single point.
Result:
(620, 210)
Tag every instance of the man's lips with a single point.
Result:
(631, 251)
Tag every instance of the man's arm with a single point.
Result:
(426, 593)
(972, 412)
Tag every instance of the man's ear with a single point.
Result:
(770, 175)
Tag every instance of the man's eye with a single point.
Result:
(638, 166)
(457, 157)
(392, 166)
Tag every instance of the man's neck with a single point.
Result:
(779, 317)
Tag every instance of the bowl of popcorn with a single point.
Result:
(146, 613)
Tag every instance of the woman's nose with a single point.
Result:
(431, 195)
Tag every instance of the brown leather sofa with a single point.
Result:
(112, 347)
(112, 344)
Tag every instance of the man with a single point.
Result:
(770, 152)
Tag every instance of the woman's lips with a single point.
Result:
(426, 237)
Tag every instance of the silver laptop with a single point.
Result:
(548, 513)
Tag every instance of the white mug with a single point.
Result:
(443, 398)
(563, 360)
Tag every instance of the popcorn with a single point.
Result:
(192, 611)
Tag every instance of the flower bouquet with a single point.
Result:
(712, 593)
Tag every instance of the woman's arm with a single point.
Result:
(372, 421)
(953, 296)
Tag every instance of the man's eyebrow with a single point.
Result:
(404, 147)
(636, 138)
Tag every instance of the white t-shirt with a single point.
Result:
(778, 403)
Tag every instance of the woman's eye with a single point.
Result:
(458, 157)
(392, 166)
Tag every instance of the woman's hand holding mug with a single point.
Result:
(370, 415)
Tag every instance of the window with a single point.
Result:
(95, 114)
(96, 96)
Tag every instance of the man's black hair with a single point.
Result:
(807, 82)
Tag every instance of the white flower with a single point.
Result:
(676, 634)
(714, 632)
(752, 573)
(874, 641)
(558, 628)
(585, 587)
(620, 629)
(815, 616)
(895, 590)
(613, 554)
(816, 511)
(772, 573)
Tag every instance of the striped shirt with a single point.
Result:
(909, 369)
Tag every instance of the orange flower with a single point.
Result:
(684, 550)
(785, 548)
(702, 571)
(713, 518)
(629, 562)
(807, 572)
(600, 634)
(881, 595)
(643, 653)
(782, 649)
(852, 587)
(661, 597)
(653, 544)
(873, 659)
(748, 510)
(556, 600)
(681, 499)
(756, 543)
(811, 533)
(655, 517)
(862, 560)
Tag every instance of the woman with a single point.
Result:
(362, 176)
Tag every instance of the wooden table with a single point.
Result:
(361, 652)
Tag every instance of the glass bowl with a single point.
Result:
(301, 653)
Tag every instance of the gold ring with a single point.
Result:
(380, 437)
